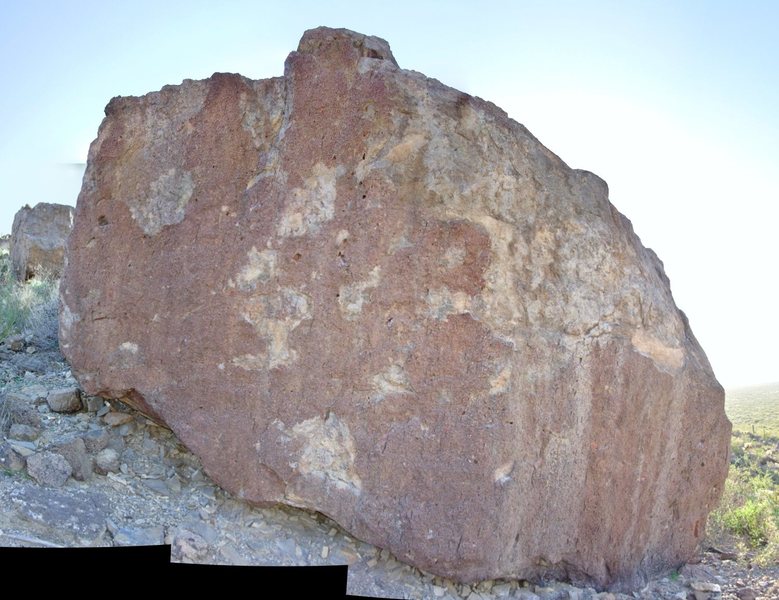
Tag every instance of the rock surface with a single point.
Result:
(64, 400)
(356, 290)
(119, 509)
(38, 239)
(49, 468)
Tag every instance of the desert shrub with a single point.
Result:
(28, 308)
(42, 316)
(749, 508)
(752, 519)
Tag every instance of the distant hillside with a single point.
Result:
(756, 406)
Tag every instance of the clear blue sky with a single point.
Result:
(673, 103)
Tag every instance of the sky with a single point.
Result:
(673, 103)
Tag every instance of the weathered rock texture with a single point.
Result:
(354, 289)
(38, 239)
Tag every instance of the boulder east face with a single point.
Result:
(356, 290)
(38, 239)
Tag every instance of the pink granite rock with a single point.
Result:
(356, 290)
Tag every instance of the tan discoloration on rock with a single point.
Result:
(501, 383)
(66, 317)
(443, 302)
(392, 381)
(507, 365)
(311, 205)
(454, 257)
(666, 357)
(130, 347)
(352, 297)
(249, 362)
(502, 474)
(164, 203)
(261, 268)
(328, 452)
(274, 317)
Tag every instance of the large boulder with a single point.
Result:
(38, 238)
(357, 290)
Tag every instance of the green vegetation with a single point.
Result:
(749, 512)
(30, 308)
(754, 409)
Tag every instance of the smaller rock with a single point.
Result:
(34, 392)
(10, 459)
(705, 586)
(174, 484)
(15, 342)
(80, 513)
(24, 448)
(551, 593)
(696, 572)
(64, 400)
(38, 239)
(107, 461)
(75, 452)
(117, 443)
(21, 407)
(95, 440)
(157, 485)
(438, 591)
(20, 431)
(188, 545)
(93, 403)
(116, 418)
(140, 536)
(31, 350)
(746, 594)
(49, 468)
(502, 589)
(575, 594)
(204, 530)
(526, 595)
(32, 364)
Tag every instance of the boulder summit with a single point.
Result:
(356, 290)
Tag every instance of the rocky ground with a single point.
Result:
(79, 471)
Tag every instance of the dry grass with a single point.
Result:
(749, 510)
(28, 308)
